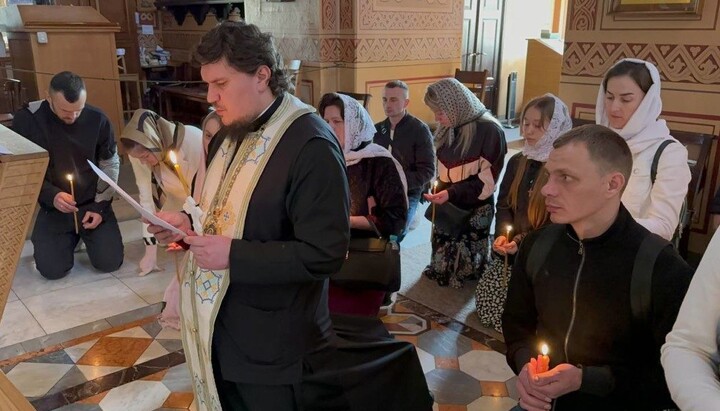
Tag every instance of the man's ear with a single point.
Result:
(263, 75)
(616, 183)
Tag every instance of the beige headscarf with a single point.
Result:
(155, 133)
(461, 107)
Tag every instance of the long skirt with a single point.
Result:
(457, 259)
(491, 292)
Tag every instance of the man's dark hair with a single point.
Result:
(69, 84)
(245, 48)
(606, 148)
(331, 99)
(397, 84)
(636, 71)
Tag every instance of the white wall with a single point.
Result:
(523, 20)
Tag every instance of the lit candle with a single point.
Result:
(173, 159)
(507, 237)
(72, 193)
(432, 228)
(543, 360)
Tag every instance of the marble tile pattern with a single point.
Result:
(141, 367)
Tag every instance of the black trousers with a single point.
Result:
(54, 241)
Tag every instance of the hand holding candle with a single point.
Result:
(432, 228)
(72, 193)
(173, 160)
(508, 229)
(543, 360)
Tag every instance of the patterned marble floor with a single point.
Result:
(141, 367)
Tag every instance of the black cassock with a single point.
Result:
(274, 342)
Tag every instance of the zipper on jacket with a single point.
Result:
(581, 252)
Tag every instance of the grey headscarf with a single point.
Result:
(458, 103)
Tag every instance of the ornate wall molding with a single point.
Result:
(403, 49)
(346, 14)
(679, 63)
(349, 50)
(446, 17)
(329, 14)
(583, 16)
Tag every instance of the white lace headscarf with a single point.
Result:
(560, 123)
(359, 129)
(460, 105)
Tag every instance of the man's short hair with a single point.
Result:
(245, 48)
(397, 84)
(606, 148)
(69, 84)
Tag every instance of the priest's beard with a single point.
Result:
(237, 130)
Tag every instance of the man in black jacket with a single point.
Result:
(73, 132)
(409, 140)
(577, 298)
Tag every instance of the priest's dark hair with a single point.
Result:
(69, 84)
(245, 48)
(607, 149)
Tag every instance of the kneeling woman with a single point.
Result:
(471, 149)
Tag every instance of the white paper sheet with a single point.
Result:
(4, 150)
(146, 214)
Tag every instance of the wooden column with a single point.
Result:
(21, 176)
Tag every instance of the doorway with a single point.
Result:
(482, 38)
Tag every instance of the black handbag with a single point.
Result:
(449, 218)
(371, 264)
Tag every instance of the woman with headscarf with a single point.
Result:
(629, 103)
(471, 149)
(378, 203)
(148, 140)
(520, 205)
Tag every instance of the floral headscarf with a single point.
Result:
(458, 103)
(560, 123)
(153, 132)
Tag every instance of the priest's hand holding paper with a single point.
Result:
(211, 252)
(176, 219)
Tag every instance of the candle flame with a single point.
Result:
(509, 228)
(69, 177)
(173, 157)
(544, 349)
(435, 183)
